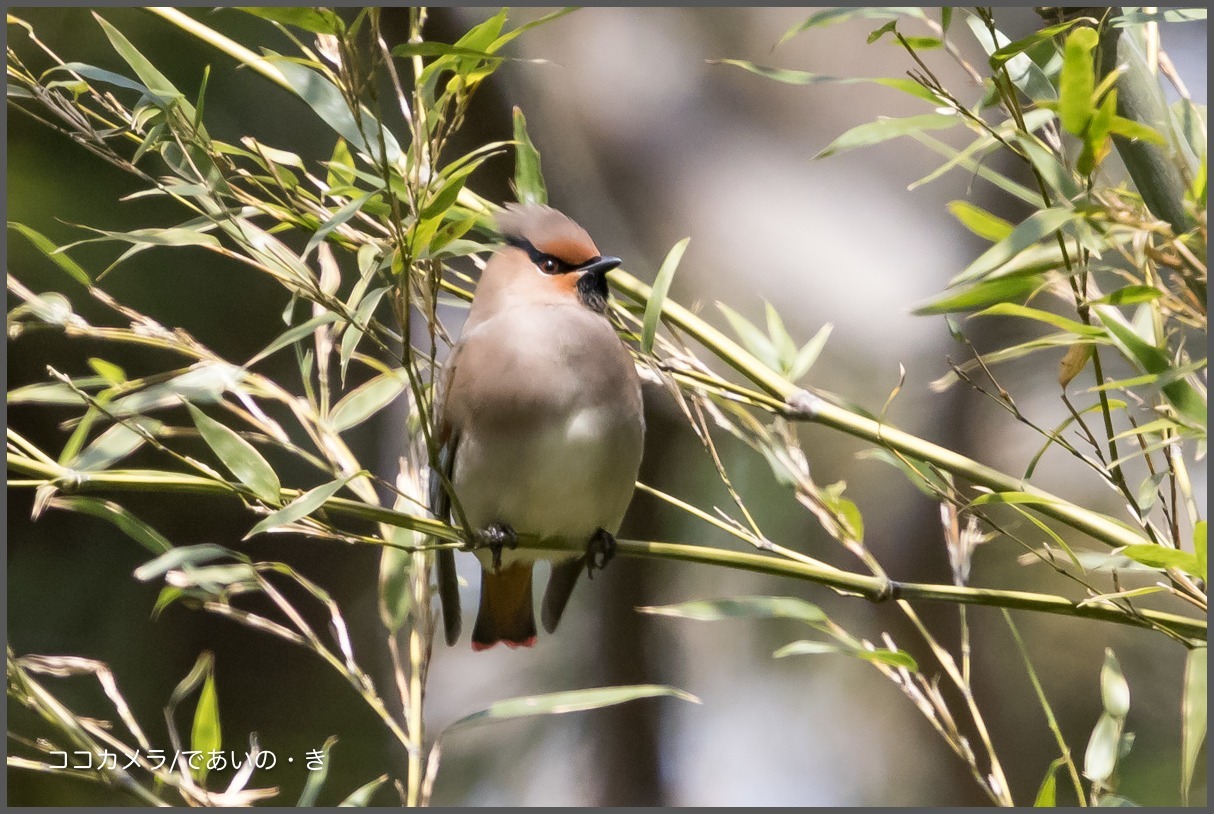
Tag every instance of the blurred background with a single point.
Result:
(644, 142)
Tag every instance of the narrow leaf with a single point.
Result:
(528, 179)
(661, 287)
(744, 607)
(239, 456)
(128, 523)
(366, 400)
(558, 703)
(44, 245)
(1193, 709)
(885, 129)
(205, 735)
(300, 507)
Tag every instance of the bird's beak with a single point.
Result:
(601, 266)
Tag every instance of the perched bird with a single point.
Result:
(540, 424)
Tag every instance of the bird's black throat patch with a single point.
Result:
(592, 291)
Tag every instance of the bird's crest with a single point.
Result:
(543, 230)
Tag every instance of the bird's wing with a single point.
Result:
(440, 505)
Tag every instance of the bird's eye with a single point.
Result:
(549, 266)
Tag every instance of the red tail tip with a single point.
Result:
(527, 642)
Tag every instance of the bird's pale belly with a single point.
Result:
(563, 478)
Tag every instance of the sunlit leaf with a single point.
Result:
(1001, 289)
(300, 507)
(316, 20)
(661, 287)
(528, 179)
(979, 221)
(1077, 80)
(1114, 691)
(1101, 756)
(128, 523)
(205, 735)
(571, 701)
(837, 15)
(1193, 708)
(239, 456)
(1027, 233)
(743, 607)
(1008, 309)
(885, 129)
(114, 444)
(361, 796)
(44, 245)
(181, 557)
(1158, 556)
(366, 400)
(316, 777)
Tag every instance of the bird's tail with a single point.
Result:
(505, 613)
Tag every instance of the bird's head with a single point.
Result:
(550, 256)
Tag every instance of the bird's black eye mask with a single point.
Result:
(545, 262)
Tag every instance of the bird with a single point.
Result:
(540, 425)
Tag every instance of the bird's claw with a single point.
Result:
(496, 537)
(599, 551)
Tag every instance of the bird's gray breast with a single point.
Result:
(550, 423)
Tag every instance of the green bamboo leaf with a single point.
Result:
(55, 392)
(1171, 15)
(885, 129)
(316, 20)
(1006, 52)
(126, 522)
(1199, 547)
(1136, 131)
(791, 77)
(1007, 309)
(558, 703)
(356, 329)
(1077, 81)
(1000, 289)
(292, 335)
(807, 648)
(100, 75)
(366, 400)
(786, 349)
(1130, 295)
(1026, 234)
(114, 444)
(44, 245)
(300, 507)
(1193, 711)
(979, 221)
(838, 15)
(239, 456)
(339, 217)
(181, 557)
(1158, 556)
(529, 185)
(330, 106)
(316, 778)
(1114, 691)
(1188, 402)
(1100, 759)
(1047, 794)
(109, 371)
(525, 27)
(1024, 73)
(751, 337)
(155, 81)
(809, 353)
(205, 735)
(661, 287)
(361, 796)
(894, 658)
(743, 607)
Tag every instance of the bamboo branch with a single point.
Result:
(873, 588)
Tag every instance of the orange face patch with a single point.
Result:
(566, 248)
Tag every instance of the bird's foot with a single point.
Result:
(496, 537)
(599, 551)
